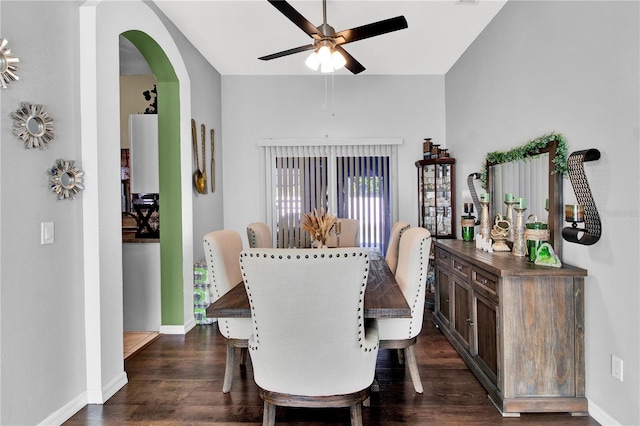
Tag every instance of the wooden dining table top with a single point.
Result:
(382, 298)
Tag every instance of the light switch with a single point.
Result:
(46, 233)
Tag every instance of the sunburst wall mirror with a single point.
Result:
(8, 67)
(33, 125)
(66, 179)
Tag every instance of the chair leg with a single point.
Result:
(243, 356)
(269, 416)
(410, 356)
(228, 370)
(356, 415)
(400, 356)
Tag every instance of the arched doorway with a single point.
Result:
(169, 166)
(101, 24)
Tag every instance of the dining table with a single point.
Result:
(382, 298)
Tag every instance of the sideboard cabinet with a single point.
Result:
(518, 326)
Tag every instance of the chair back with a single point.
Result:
(394, 244)
(222, 252)
(259, 235)
(411, 275)
(307, 306)
(349, 234)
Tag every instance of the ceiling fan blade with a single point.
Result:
(288, 52)
(371, 30)
(352, 64)
(294, 16)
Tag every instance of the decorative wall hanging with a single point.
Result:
(474, 194)
(148, 95)
(198, 181)
(65, 179)
(203, 133)
(213, 165)
(8, 67)
(33, 125)
(585, 211)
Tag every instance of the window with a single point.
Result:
(352, 180)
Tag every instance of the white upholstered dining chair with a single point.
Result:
(222, 251)
(259, 235)
(411, 275)
(349, 233)
(394, 244)
(310, 346)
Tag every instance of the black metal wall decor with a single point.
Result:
(474, 195)
(590, 234)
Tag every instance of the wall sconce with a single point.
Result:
(585, 211)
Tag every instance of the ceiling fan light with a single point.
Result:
(338, 60)
(313, 61)
(326, 67)
(324, 54)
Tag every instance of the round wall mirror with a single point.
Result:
(8, 66)
(65, 179)
(33, 125)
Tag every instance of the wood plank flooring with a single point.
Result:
(177, 380)
(135, 341)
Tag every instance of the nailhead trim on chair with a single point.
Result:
(306, 256)
(253, 237)
(212, 279)
(422, 279)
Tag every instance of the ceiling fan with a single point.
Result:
(327, 45)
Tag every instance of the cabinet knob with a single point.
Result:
(459, 267)
(469, 322)
(483, 281)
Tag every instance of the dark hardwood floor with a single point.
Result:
(177, 380)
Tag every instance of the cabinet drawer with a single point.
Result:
(460, 267)
(443, 259)
(485, 283)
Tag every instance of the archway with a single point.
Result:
(101, 24)
(169, 166)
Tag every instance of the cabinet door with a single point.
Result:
(462, 321)
(443, 295)
(485, 347)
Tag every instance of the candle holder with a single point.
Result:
(485, 224)
(509, 219)
(518, 241)
(468, 223)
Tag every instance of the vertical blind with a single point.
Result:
(351, 181)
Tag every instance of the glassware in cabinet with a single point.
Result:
(436, 196)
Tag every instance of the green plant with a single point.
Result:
(528, 150)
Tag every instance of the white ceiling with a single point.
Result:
(231, 35)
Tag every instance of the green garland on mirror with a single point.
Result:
(530, 149)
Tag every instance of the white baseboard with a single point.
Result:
(65, 413)
(114, 386)
(601, 416)
(178, 329)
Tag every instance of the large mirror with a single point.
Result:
(533, 175)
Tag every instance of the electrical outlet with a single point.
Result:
(616, 367)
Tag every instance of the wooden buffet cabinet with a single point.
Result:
(518, 326)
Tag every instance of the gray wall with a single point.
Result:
(42, 361)
(570, 67)
(409, 107)
(43, 352)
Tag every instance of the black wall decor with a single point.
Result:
(590, 234)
